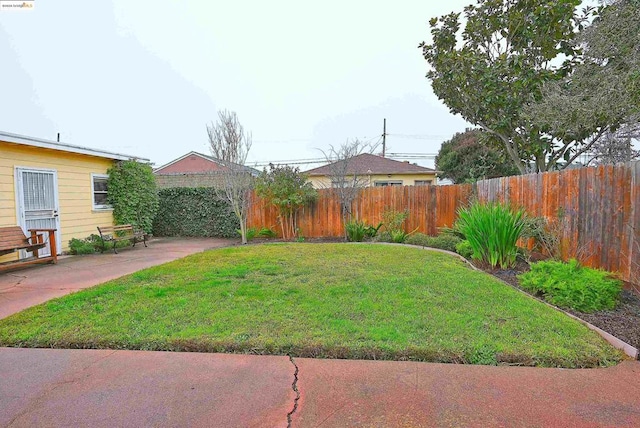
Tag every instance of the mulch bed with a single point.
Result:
(623, 322)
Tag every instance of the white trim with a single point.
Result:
(95, 207)
(54, 145)
(19, 195)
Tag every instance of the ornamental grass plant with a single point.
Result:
(492, 230)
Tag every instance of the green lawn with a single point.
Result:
(321, 300)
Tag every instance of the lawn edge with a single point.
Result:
(620, 344)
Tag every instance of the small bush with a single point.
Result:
(266, 232)
(81, 246)
(545, 233)
(492, 230)
(355, 230)
(384, 236)
(570, 285)
(465, 249)
(393, 220)
(444, 241)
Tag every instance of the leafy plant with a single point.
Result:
(398, 236)
(546, 234)
(355, 230)
(393, 220)
(131, 190)
(287, 189)
(492, 231)
(571, 285)
(371, 231)
(83, 246)
(465, 249)
(266, 232)
(251, 233)
(197, 212)
(444, 241)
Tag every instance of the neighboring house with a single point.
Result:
(193, 170)
(373, 170)
(47, 184)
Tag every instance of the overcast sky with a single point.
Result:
(145, 77)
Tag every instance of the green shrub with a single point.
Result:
(444, 241)
(251, 233)
(93, 244)
(399, 236)
(384, 236)
(570, 285)
(465, 249)
(81, 246)
(131, 190)
(266, 232)
(371, 231)
(545, 233)
(393, 220)
(356, 231)
(492, 230)
(186, 211)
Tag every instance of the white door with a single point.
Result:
(37, 202)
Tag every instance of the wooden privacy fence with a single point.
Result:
(597, 210)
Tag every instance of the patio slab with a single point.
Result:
(103, 388)
(20, 289)
(340, 393)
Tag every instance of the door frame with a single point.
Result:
(17, 178)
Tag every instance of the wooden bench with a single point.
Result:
(122, 232)
(13, 239)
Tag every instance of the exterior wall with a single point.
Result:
(323, 182)
(77, 217)
(165, 181)
(192, 163)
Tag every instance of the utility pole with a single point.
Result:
(384, 137)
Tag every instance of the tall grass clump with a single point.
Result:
(492, 230)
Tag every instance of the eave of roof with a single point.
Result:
(54, 145)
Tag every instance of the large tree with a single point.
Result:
(488, 73)
(230, 143)
(595, 109)
(466, 158)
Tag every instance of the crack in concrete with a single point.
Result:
(294, 386)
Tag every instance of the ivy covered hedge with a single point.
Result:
(186, 211)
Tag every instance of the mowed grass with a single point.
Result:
(321, 300)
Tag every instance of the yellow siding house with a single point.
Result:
(47, 184)
(371, 171)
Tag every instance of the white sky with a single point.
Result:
(145, 77)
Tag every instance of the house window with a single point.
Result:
(423, 182)
(388, 183)
(99, 191)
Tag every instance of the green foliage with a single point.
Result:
(467, 158)
(570, 285)
(287, 189)
(465, 249)
(93, 244)
(355, 231)
(546, 234)
(492, 230)
(131, 191)
(185, 211)
(358, 231)
(394, 220)
(88, 245)
(444, 241)
(253, 233)
(509, 49)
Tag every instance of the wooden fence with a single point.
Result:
(597, 210)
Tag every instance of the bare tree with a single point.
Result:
(345, 179)
(616, 146)
(230, 144)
